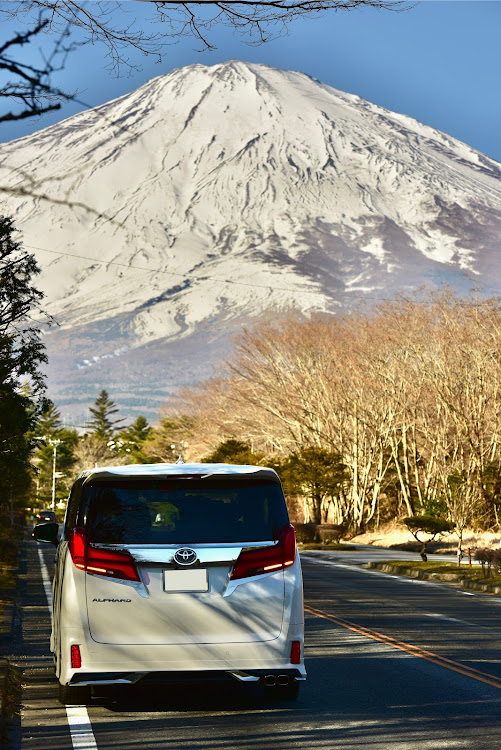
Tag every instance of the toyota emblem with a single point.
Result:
(185, 556)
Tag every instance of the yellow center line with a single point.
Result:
(422, 653)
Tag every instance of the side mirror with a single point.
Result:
(46, 532)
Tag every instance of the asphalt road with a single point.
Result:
(360, 554)
(393, 664)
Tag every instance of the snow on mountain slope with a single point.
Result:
(213, 193)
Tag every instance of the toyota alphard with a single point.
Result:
(169, 572)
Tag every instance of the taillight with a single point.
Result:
(103, 562)
(78, 545)
(296, 652)
(254, 562)
(76, 658)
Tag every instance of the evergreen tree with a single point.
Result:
(16, 421)
(234, 452)
(49, 422)
(21, 351)
(426, 529)
(102, 423)
(21, 354)
(130, 440)
(169, 440)
(314, 473)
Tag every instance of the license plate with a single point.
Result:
(186, 580)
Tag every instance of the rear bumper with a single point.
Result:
(128, 664)
(266, 677)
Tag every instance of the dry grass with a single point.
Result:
(12, 698)
(472, 573)
(10, 539)
(7, 578)
(395, 534)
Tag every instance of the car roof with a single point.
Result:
(202, 471)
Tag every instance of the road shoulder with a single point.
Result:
(453, 579)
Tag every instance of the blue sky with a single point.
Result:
(439, 62)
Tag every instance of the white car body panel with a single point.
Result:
(253, 611)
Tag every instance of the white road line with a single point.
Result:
(82, 736)
(454, 619)
(398, 578)
(81, 732)
(367, 571)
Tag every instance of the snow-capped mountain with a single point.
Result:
(213, 193)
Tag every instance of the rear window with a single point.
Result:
(186, 511)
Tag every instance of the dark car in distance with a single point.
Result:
(46, 516)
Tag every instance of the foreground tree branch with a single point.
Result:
(114, 23)
(29, 87)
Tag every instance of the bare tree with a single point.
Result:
(465, 380)
(409, 395)
(114, 24)
(27, 88)
(93, 451)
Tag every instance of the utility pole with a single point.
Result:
(54, 444)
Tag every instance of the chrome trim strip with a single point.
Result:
(244, 677)
(129, 679)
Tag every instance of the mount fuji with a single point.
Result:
(165, 219)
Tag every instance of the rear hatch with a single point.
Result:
(182, 536)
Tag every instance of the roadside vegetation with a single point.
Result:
(391, 413)
(426, 528)
(450, 571)
(22, 397)
(405, 398)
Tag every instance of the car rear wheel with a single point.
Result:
(74, 695)
(282, 692)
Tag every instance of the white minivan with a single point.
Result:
(175, 572)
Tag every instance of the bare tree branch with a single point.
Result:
(29, 87)
(114, 24)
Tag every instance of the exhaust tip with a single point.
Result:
(283, 680)
(270, 680)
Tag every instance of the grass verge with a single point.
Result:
(472, 573)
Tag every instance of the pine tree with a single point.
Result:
(234, 452)
(21, 351)
(315, 473)
(49, 421)
(102, 423)
(21, 354)
(131, 440)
